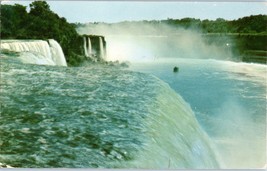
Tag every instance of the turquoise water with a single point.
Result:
(229, 102)
(96, 116)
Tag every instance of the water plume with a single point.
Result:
(139, 41)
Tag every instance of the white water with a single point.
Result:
(84, 47)
(36, 51)
(89, 46)
(35, 58)
(39, 46)
(57, 53)
(102, 55)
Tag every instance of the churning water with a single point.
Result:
(96, 116)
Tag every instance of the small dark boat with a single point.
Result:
(175, 69)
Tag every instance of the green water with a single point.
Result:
(96, 117)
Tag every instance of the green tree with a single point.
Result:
(47, 25)
(13, 17)
(40, 8)
(41, 23)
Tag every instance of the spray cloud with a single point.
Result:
(135, 41)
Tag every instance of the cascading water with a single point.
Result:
(175, 138)
(85, 47)
(36, 51)
(38, 46)
(89, 46)
(101, 45)
(229, 102)
(57, 53)
(113, 119)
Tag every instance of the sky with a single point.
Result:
(116, 11)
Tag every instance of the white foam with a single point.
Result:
(36, 51)
(57, 53)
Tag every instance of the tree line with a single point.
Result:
(41, 23)
(249, 24)
(254, 24)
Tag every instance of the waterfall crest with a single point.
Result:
(175, 138)
(36, 51)
(122, 119)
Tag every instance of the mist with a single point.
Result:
(240, 136)
(141, 41)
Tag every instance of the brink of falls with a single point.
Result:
(36, 51)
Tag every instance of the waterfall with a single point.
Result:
(138, 122)
(101, 45)
(84, 47)
(89, 46)
(57, 53)
(94, 47)
(36, 51)
(39, 46)
(175, 139)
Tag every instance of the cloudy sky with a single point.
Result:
(116, 11)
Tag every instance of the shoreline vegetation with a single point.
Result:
(249, 33)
